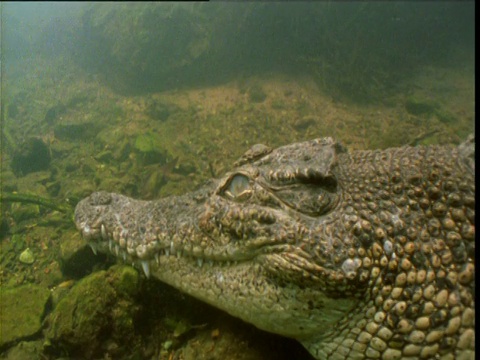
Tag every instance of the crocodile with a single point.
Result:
(357, 255)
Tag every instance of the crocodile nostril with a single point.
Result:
(100, 198)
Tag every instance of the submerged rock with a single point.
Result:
(98, 311)
(21, 312)
(149, 148)
(25, 350)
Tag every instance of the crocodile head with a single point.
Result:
(313, 243)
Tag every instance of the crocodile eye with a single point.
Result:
(238, 187)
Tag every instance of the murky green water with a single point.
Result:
(153, 99)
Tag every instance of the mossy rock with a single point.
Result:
(21, 312)
(149, 147)
(99, 310)
(25, 350)
(146, 143)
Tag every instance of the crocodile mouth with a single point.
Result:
(150, 251)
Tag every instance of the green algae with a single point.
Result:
(256, 94)
(147, 142)
(98, 309)
(21, 312)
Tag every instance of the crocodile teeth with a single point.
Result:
(199, 262)
(94, 248)
(121, 241)
(86, 232)
(146, 268)
(104, 232)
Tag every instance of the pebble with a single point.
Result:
(167, 344)
(26, 257)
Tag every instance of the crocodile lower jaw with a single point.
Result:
(161, 256)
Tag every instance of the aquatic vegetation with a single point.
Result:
(38, 200)
(54, 112)
(160, 110)
(256, 94)
(417, 106)
(147, 143)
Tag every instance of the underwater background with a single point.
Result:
(153, 99)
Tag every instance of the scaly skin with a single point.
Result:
(361, 255)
